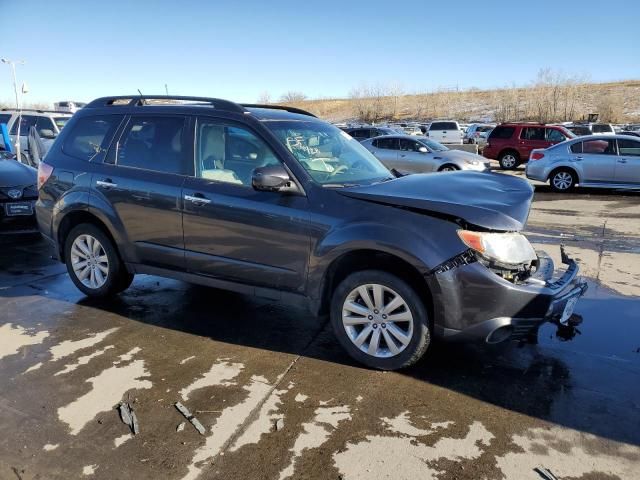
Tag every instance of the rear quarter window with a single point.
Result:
(90, 136)
(576, 147)
(502, 133)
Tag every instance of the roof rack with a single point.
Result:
(279, 107)
(142, 100)
(39, 110)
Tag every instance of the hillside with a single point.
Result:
(617, 102)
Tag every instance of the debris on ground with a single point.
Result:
(180, 427)
(128, 417)
(545, 473)
(278, 424)
(193, 420)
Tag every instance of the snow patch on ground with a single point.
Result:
(221, 373)
(13, 338)
(69, 347)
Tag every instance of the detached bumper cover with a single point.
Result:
(471, 301)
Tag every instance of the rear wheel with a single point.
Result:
(562, 180)
(509, 160)
(380, 320)
(93, 262)
(448, 168)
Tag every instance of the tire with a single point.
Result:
(448, 168)
(412, 325)
(509, 160)
(562, 180)
(109, 275)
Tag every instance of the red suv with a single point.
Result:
(511, 143)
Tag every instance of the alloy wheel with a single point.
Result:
(508, 160)
(89, 261)
(562, 180)
(377, 320)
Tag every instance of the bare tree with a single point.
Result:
(293, 96)
(264, 98)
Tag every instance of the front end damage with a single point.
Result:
(476, 297)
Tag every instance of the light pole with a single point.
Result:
(15, 89)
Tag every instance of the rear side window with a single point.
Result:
(409, 145)
(90, 137)
(4, 118)
(576, 147)
(443, 126)
(502, 132)
(386, 143)
(154, 143)
(600, 147)
(26, 122)
(532, 133)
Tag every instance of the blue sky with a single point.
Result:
(238, 49)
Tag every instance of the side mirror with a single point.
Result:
(272, 178)
(423, 150)
(46, 133)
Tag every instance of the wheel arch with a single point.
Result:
(564, 167)
(507, 150)
(71, 220)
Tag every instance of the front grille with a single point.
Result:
(29, 192)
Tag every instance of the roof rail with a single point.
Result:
(141, 100)
(39, 110)
(279, 107)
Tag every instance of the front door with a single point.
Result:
(233, 232)
(598, 160)
(412, 159)
(141, 179)
(628, 162)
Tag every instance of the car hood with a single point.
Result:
(15, 174)
(460, 155)
(488, 200)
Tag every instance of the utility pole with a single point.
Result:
(15, 89)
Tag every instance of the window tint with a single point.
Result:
(409, 145)
(229, 154)
(4, 118)
(91, 136)
(443, 126)
(602, 147)
(502, 132)
(532, 133)
(629, 147)
(153, 143)
(554, 135)
(386, 143)
(576, 147)
(26, 122)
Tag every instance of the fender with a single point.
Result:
(409, 245)
(99, 207)
(73, 200)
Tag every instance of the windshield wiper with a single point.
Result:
(340, 185)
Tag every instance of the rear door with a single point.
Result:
(141, 180)
(386, 150)
(553, 136)
(530, 139)
(233, 232)
(627, 168)
(598, 160)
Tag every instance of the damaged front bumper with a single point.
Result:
(473, 302)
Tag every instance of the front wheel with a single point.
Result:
(448, 168)
(509, 160)
(93, 262)
(380, 320)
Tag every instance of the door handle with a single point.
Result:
(577, 159)
(106, 183)
(622, 160)
(197, 199)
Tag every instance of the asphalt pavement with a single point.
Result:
(279, 399)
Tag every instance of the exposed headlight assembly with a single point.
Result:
(505, 248)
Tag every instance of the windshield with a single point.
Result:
(330, 155)
(568, 133)
(61, 121)
(433, 145)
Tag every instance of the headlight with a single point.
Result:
(509, 248)
(471, 162)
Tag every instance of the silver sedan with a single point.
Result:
(605, 161)
(414, 154)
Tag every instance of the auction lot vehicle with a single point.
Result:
(363, 133)
(68, 106)
(48, 124)
(271, 201)
(18, 195)
(611, 161)
(445, 132)
(511, 143)
(477, 133)
(413, 154)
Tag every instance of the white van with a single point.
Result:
(445, 131)
(68, 106)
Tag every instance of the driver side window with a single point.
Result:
(229, 154)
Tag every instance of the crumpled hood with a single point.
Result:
(16, 174)
(489, 200)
